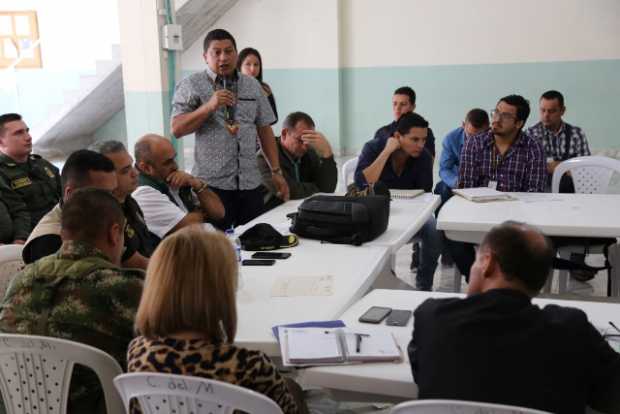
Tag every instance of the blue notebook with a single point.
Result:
(312, 324)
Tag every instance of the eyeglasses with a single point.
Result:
(502, 116)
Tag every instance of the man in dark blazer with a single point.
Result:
(496, 346)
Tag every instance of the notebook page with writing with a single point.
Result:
(375, 347)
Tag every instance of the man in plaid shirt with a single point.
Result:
(504, 158)
(559, 139)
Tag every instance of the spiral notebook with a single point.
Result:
(396, 194)
(483, 194)
(320, 346)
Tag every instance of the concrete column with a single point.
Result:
(145, 70)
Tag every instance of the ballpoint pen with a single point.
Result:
(358, 341)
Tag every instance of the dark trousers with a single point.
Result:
(463, 254)
(241, 206)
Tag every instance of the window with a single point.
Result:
(19, 34)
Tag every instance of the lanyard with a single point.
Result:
(295, 163)
(494, 162)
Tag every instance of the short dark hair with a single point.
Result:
(518, 255)
(89, 213)
(408, 121)
(6, 118)
(108, 147)
(142, 151)
(554, 95)
(406, 90)
(294, 117)
(218, 34)
(80, 163)
(248, 51)
(478, 118)
(522, 104)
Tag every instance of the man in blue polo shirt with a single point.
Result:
(476, 122)
(401, 162)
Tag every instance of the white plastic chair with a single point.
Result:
(348, 170)
(10, 263)
(168, 393)
(35, 373)
(591, 175)
(460, 407)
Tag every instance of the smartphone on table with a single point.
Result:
(398, 317)
(375, 314)
(258, 262)
(271, 255)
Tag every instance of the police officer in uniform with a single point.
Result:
(29, 185)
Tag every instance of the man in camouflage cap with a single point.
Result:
(73, 293)
(30, 185)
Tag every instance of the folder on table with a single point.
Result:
(337, 323)
(320, 346)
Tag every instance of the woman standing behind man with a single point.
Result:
(251, 64)
(187, 319)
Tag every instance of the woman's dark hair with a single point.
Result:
(247, 52)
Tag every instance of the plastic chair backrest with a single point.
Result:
(10, 263)
(348, 170)
(591, 175)
(168, 393)
(35, 373)
(460, 407)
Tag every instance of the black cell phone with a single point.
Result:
(258, 262)
(271, 255)
(375, 314)
(398, 317)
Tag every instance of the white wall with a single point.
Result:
(303, 34)
(448, 32)
(287, 33)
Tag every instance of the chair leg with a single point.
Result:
(563, 274)
(549, 282)
(614, 272)
(457, 280)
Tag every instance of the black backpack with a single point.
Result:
(342, 219)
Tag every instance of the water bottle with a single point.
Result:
(230, 234)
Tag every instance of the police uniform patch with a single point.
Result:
(129, 231)
(20, 183)
(49, 172)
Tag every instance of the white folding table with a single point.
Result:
(566, 215)
(394, 381)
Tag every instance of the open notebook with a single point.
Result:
(320, 346)
(482, 194)
(397, 194)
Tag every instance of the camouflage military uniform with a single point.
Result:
(29, 190)
(76, 294)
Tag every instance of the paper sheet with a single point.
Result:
(289, 286)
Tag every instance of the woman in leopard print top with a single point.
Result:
(187, 318)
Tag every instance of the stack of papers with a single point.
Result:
(482, 194)
(321, 346)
